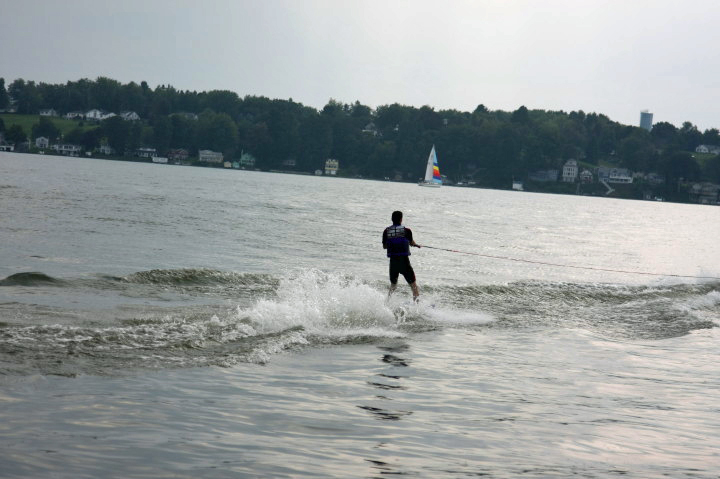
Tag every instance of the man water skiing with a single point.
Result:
(397, 239)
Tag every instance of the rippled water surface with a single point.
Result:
(160, 321)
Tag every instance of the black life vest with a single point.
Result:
(396, 242)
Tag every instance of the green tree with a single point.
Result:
(45, 127)
(91, 138)
(117, 132)
(15, 135)
(711, 137)
(74, 136)
(183, 133)
(636, 151)
(712, 169)
(26, 95)
(680, 165)
(105, 94)
(217, 131)
(4, 99)
(521, 115)
(689, 136)
(162, 134)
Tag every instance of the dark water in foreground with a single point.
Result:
(162, 321)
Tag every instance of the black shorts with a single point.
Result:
(400, 265)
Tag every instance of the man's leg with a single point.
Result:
(394, 275)
(415, 290)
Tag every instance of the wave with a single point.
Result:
(312, 308)
(30, 279)
(197, 276)
(198, 280)
(619, 311)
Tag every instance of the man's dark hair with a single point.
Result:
(397, 217)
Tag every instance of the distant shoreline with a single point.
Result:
(562, 188)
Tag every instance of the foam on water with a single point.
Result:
(323, 304)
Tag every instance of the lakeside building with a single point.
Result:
(209, 156)
(371, 129)
(98, 115)
(145, 152)
(646, 120)
(129, 116)
(5, 146)
(49, 112)
(331, 167)
(178, 154)
(74, 115)
(570, 171)
(614, 175)
(42, 142)
(714, 149)
(705, 193)
(106, 150)
(67, 149)
(586, 176)
(246, 159)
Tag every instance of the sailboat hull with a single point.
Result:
(431, 185)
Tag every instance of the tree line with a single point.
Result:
(489, 147)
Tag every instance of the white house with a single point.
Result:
(67, 149)
(73, 115)
(246, 159)
(331, 167)
(145, 152)
(106, 150)
(98, 115)
(48, 112)
(129, 116)
(370, 129)
(620, 175)
(586, 176)
(209, 156)
(705, 193)
(42, 142)
(714, 149)
(570, 171)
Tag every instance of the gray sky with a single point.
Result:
(615, 57)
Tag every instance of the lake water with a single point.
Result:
(174, 322)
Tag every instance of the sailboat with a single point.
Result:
(432, 172)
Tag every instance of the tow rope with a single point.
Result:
(558, 265)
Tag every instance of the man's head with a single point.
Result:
(397, 217)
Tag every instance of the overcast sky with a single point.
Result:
(615, 57)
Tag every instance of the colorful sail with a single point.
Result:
(432, 173)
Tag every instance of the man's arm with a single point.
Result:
(410, 238)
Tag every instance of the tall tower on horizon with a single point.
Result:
(646, 120)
